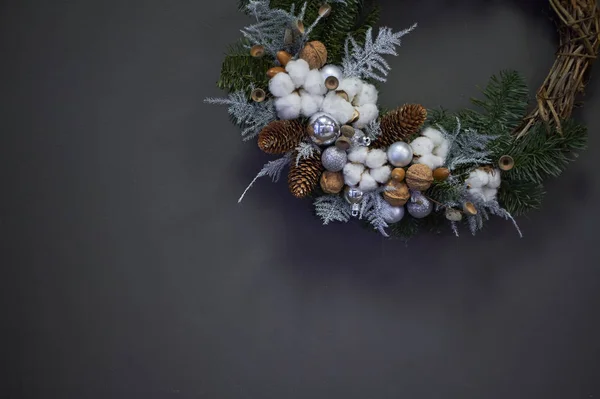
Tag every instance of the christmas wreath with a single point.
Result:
(304, 81)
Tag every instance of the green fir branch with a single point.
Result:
(240, 70)
(520, 197)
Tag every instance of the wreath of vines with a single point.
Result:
(463, 167)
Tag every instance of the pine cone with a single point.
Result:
(279, 137)
(400, 124)
(304, 178)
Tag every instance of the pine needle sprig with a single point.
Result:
(272, 169)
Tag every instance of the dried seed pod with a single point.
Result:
(332, 182)
(469, 208)
(348, 131)
(343, 143)
(355, 116)
(325, 10)
(315, 53)
(332, 83)
(396, 194)
(283, 57)
(419, 177)
(258, 95)
(257, 51)
(506, 162)
(274, 71)
(288, 37)
(343, 94)
(300, 27)
(398, 174)
(441, 174)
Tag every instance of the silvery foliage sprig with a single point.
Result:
(467, 146)
(272, 23)
(250, 115)
(272, 169)
(373, 129)
(372, 209)
(305, 150)
(367, 62)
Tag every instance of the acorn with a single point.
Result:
(419, 177)
(343, 143)
(506, 163)
(324, 10)
(332, 83)
(396, 194)
(441, 174)
(283, 57)
(469, 208)
(347, 131)
(398, 174)
(257, 51)
(315, 53)
(332, 182)
(258, 95)
(274, 71)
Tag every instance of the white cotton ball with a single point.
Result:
(298, 71)
(433, 161)
(288, 107)
(376, 158)
(367, 182)
(382, 174)
(340, 109)
(314, 83)
(358, 154)
(353, 173)
(435, 135)
(422, 146)
(310, 103)
(442, 149)
(351, 86)
(476, 193)
(495, 179)
(489, 194)
(368, 113)
(478, 178)
(367, 95)
(281, 85)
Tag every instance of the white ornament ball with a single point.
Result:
(392, 214)
(314, 83)
(400, 154)
(281, 85)
(298, 71)
(288, 107)
(376, 158)
(353, 173)
(330, 70)
(334, 159)
(367, 183)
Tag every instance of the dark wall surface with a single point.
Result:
(130, 271)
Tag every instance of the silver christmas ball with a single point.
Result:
(334, 159)
(419, 206)
(400, 154)
(391, 214)
(353, 195)
(323, 129)
(331, 70)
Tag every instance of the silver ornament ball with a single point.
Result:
(334, 159)
(331, 70)
(323, 129)
(353, 195)
(419, 206)
(391, 214)
(400, 154)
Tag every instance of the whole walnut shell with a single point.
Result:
(396, 194)
(419, 177)
(315, 53)
(332, 182)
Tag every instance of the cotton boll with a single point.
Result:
(310, 103)
(441, 150)
(478, 178)
(367, 95)
(281, 85)
(298, 71)
(476, 193)
(376, 158)
(351, 86)
(353, 173)
(382, 174)
(314, 83)
(495, 179)
(288, 107)
(433, 161)
(358, 154)
(489, 194)
(336, 106)
(367, 182)
(368, 113)
(422, 146)
(434, 135)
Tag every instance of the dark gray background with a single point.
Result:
(129, 270)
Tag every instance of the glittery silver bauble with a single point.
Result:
(331, 70)
(419, 206)
(391, 214)
(400, 154)
(323, 129)
(354, 196)
(334, 159)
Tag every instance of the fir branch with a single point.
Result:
(240, 70)
(305, 150)
(250, 116)
(332, 208)
(367, 62)
(467, 146)
(407, 228)
(272, 169)
(520, 197)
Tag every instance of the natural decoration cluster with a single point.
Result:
(304, 80)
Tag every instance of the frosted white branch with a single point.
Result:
(305, 150)
(272, 169)
(331, 208)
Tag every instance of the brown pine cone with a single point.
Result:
(279, 137)
(400, 124)
(304, 178)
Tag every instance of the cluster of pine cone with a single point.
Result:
(283, 136)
